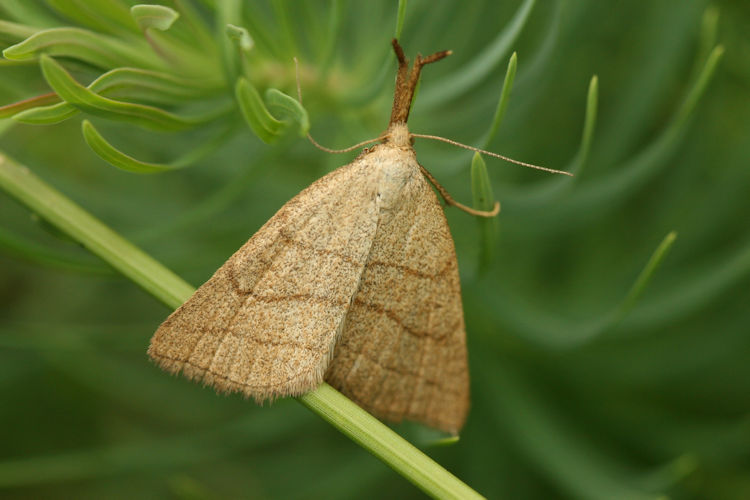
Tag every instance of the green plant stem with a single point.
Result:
(381, 441)
(172, 290)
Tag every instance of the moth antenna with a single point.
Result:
(310, 137)
(450, 201)
(490, 153)
(345, 150)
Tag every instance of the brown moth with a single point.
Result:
(354, 282)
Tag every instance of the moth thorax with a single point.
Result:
(398, 135)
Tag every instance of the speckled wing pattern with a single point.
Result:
(266, 323)
(402, 354)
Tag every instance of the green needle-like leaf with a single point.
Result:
(132, 82)
(289, 110)
(238, 52)
(84, 45)
(155, 85)
(241, 37)
(113, 156)
(46, 115)
(547, 191)
(229, 12)
(107, 16)
(260, 120)
(154, 16)
(400, 17)
(117, 158)
(481, 190)
(502, 103)
(645, 276)
(699, 87)
(708, 35)
(589, 125)
(79, 96)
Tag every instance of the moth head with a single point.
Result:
(398, 135)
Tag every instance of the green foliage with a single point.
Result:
(605, 364)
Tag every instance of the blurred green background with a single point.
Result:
(575, 394)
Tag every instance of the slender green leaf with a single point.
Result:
(693, 292)
(156, 17)
(242, 44)
(645, 164)
(156, 85)
(645, 276)
(699, 87)
(117, 158)
(670, 474)
(82, 98)
(589, 125)
(265, 126)
(106, 16)
(46, 115)
(241, 37)
(560, 332)
(400, 18)
(548, 191)
(502, 103)
(134, 83)
(708, 34)
(481, 187)
(289, 110)
(229, 12)
(484, 199)
(113, 156)
(637, 169)
(93, 48)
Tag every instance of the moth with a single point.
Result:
(354, 282)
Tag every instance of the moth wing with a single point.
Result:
(402, 354)
(267, 321)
